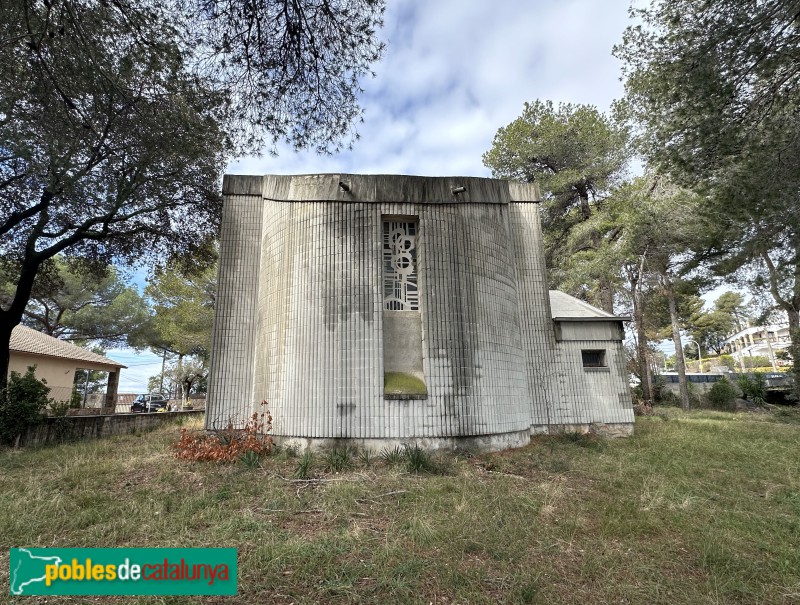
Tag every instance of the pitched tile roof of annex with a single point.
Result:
(564, 307)
(27, 340)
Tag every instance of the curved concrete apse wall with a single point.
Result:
(385, 309)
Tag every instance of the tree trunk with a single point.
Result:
(179, 381)
(791, 305)
(606, 295)
(5, 349)
(583, 195)
(606, 292)
(794, 350)
(11, 318)
(605, 289)
(642, 349)
(680, 363)
(793, 315)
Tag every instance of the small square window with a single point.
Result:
(594, 358)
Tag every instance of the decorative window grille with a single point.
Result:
(400, 292)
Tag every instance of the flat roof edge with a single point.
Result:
(381, 188)
(592, 319)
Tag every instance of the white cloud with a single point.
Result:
(141, 366)
(455, 71)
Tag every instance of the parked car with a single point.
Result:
(152, 402)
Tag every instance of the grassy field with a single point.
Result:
(696, 508)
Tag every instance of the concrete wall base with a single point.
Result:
(482, 443)
(611, 430)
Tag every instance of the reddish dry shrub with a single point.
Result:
(229, 444)
(641, 408)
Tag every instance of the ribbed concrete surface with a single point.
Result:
(593, 395)
(319, 337)
(536, 326)
(230, 383)
(300, 311)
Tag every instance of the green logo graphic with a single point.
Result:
(123, 571)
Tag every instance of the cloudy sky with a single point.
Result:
(454, 72)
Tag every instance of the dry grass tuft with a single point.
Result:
(702, 509)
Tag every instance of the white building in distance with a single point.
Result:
(759, 341)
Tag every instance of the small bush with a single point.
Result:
(76, 399)
(661, 394)
(304, 466)
(58, 409)
(753, 387)
(392, 456)
(722, 395)
(756, 361)
(670, 398)
(230, 444)
(250, 459)
(22, 404)
(417, 459)
(695, 398)
(338, 459)
(365, 457)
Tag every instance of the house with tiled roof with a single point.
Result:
(57, 361)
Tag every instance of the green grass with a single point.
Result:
(696, 508)
(399, 383)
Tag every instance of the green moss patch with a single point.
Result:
(400, 383)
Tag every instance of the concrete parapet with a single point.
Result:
(63, 429)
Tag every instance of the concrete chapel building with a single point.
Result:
(380, 310)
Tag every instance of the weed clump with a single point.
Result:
(229, 444)
(304, 466)
(414, 458)
(753, 387)
(250, 459)
(338, 459)
(392, 456)
(365, 458)
(417, 459)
